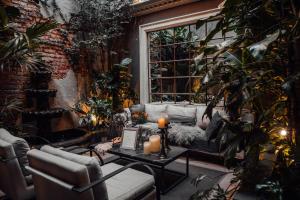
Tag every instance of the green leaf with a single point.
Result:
(258, 49)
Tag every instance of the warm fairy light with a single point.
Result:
(283, 132)
(94, 119)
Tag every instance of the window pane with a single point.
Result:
(181, 34)
(167, 53)
(155, 97)
(154, 54)
(166, 36)
(182, 68)
(155, 85)
(167, 69)
(183, 85)
(180, 98)
(168, 97)
(199, 98)
(182, 51)
(196, 84)
(167, 85)
(211, 26)
(154, 39)
(155, 70)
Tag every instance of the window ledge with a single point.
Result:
(151, 6)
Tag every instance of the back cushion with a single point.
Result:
(20, 147)
(178, 114)
(6, 150)
(93, 167)
(154, 112)
(65, 170)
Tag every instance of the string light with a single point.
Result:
(283, 132)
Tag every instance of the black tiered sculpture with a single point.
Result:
(38, 101)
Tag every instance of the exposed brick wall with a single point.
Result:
(53, 50)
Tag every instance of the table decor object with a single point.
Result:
(129, 138)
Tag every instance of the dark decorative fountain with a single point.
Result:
(40, 114)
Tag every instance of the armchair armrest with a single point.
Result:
(5, 160)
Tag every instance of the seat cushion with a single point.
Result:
(20, 147)
(128, 184)
(93, 167)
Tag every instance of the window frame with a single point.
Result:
(144, 29)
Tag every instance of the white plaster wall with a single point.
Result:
(66, 6)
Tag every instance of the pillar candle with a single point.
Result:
(147, 148)
(161, 122)
(155, 143)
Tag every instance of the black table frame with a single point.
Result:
(161, 166)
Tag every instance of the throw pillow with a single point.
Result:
(154, 112)
(203, 123)
(214, 126)
(184, 115)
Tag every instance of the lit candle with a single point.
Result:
(161, 122)
(147, 148)
(155, 143)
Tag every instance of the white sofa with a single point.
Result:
(186, 121)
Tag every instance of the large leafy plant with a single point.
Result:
(99, 26)
(18, 49)
(250, 73)
(109, 91)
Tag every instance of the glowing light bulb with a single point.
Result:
(283, 132)
(94, 120)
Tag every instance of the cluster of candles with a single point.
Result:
(153, 145)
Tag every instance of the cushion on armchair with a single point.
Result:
(154, 112)
(20, 147)
(92, 165)
(184, 115)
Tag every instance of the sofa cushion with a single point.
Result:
(137, 108)
(93, 167)
(154, 112)
(179, 114)
(128, 184)
(214, 126)
(20, 147)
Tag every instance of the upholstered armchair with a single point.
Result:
(15, 181)
(62, 175)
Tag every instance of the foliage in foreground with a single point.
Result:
(18, 50)
(249, 72)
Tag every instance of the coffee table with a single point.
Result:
(159, 165)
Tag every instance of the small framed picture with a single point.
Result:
(129, 138)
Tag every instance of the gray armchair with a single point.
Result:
(15, 181)
(62, 175)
